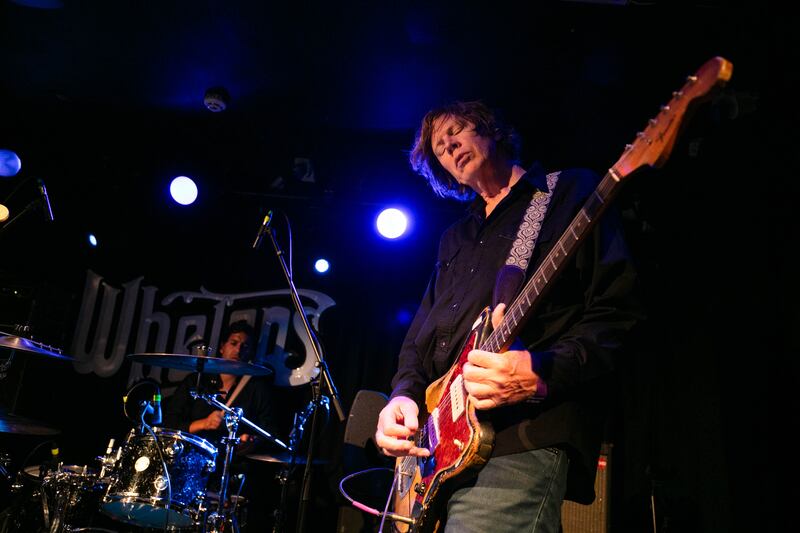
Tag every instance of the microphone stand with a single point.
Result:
(266, 227)
(27, 208)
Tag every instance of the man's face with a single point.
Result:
(460, 150)
(236, 347)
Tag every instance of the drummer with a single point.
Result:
(251, 393)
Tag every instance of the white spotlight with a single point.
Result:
(322, 266)
(183, 190)
(392, 223)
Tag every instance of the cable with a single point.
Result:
(389, 499)
(370, 510)
(166, 471)
(152, 433)
(130, 391)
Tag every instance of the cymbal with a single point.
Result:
(13, 342)
(282, 457)
(24, 426)
(201, 363)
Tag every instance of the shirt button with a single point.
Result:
(472, 270)
(480, 242)
(443, 344)
(455, 306)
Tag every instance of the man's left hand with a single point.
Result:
(493, 379)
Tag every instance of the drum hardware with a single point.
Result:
(238, 506)
(108, 460)
(56, 500)
(216, 520)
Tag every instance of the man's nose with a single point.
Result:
(452, 145)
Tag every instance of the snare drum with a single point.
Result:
(138, 490)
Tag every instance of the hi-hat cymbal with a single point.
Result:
(24, 426)
(13, 342)
(201, 363)
(282, 457)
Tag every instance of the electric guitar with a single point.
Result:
(450, 429)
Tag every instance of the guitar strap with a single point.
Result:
(512, 275)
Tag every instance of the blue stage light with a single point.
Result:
(92, 240)
(322, 266)
(183, 190)
(392, 223)
(9, 163)
(404, 317)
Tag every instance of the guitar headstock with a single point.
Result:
(653, 145)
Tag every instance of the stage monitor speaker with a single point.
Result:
(363, 417)
(594, 518)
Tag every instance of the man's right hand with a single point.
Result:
(397, 424)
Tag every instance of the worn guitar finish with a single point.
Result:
(450, 429)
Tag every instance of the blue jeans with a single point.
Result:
(514, 493)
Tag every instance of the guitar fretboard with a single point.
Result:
(584, 221)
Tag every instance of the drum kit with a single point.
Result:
(157, 479)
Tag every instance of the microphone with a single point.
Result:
(262, 229)
(157, 408)
(52, 464)
(153, 409)
(43, 191)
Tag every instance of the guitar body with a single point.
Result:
(459, 442)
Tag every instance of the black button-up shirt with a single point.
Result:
(573, 333)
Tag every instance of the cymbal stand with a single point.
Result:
(217, 518)
(233, 415)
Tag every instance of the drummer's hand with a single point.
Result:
(247, 444)
(213, 421)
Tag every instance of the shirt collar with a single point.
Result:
(534, 178)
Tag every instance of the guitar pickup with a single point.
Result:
(433, 439)
(457, 397)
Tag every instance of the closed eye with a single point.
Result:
(441, 147)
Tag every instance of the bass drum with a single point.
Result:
(141, 492)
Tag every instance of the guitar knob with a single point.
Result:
(419, 488)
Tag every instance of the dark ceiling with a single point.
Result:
(106, 99)
(373, 66)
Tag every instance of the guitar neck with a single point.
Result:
(519, 310)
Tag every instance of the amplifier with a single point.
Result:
(594, 518)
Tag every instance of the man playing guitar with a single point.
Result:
(539, 400)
